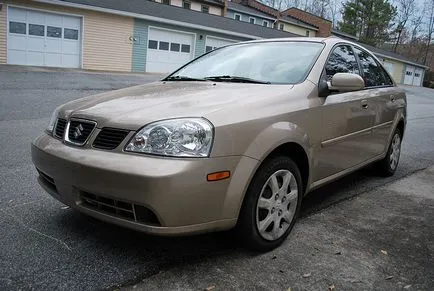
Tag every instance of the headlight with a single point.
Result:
(52, 122)
(183, 137)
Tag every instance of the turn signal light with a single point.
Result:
(218, 176)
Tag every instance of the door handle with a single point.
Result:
(364, 104)
(392, 98)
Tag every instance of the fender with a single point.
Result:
(259, 149)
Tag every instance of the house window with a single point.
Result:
(174, 47)
(265, 23)
(307, 33)
(17, 27)
(164, 46)
(153, 44)
(167, 2)
(70, 33)
(281, 26)
(205, 8)
(186, 4)
(237, 17)
(36, 29)
(185, 48)
(53, 31)
(252, 20)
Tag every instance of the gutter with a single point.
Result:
(251, 14)
(402, 61)
(147, 17)
(299, 24)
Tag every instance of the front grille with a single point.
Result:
(79, 131)
(60, 128)
(110, 138)
(119, 209)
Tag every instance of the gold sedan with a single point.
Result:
(235, 138)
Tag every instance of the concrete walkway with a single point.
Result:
(380, 240)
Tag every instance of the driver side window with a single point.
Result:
(341, 60)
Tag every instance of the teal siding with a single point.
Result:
(140, 46)
(141, 35)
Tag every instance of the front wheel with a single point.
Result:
(387, 166)
(271, 205)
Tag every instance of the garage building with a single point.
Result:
(133, 35)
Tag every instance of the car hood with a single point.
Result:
(132, 108)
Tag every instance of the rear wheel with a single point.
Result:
(272, 204)
(387, 166)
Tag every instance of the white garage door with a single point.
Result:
(168, 50)
(408, 79)
(38, 38)
(214, 42)
(417, 77)
(389, 67)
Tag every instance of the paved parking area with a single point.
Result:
(44, 246)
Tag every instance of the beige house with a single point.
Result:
(147, 36)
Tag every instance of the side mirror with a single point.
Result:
(346, 82)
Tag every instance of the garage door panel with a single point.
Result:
(36, 44)
(70, 47)
(71, 22)
(17, 14)
(35, 17)
(35, 58)
(52, 19)
(70, 61)
(53, 59)
(53, 46)
(48, 39)
(17, 57)
(16, 42)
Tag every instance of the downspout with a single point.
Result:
(277, 20)
(225, 8)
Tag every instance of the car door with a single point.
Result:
(384, 96)
(347, 119)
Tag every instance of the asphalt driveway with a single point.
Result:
(45, 246)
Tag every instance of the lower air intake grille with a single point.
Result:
(110, 138)
(79, 131)
(119, 209)
(60, 128)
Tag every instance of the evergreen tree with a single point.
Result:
(368, 19)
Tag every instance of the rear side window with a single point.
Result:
(341, 60)
(373, 74)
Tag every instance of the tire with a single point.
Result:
(263, 208)
(387, 166)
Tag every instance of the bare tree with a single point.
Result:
(430, 29)
(335, 7)
(416, 22)
(405, 10)
(317, 7)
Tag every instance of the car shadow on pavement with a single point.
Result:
(149, 254)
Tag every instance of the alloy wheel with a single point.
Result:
(395, 151)
(277, 205)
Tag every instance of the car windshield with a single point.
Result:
(286, 62)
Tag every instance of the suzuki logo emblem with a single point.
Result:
(78, 131)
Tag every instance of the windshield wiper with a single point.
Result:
(227, 78)
(182, 78)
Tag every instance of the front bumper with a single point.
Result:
(175, 190)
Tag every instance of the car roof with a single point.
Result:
(330, 40)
